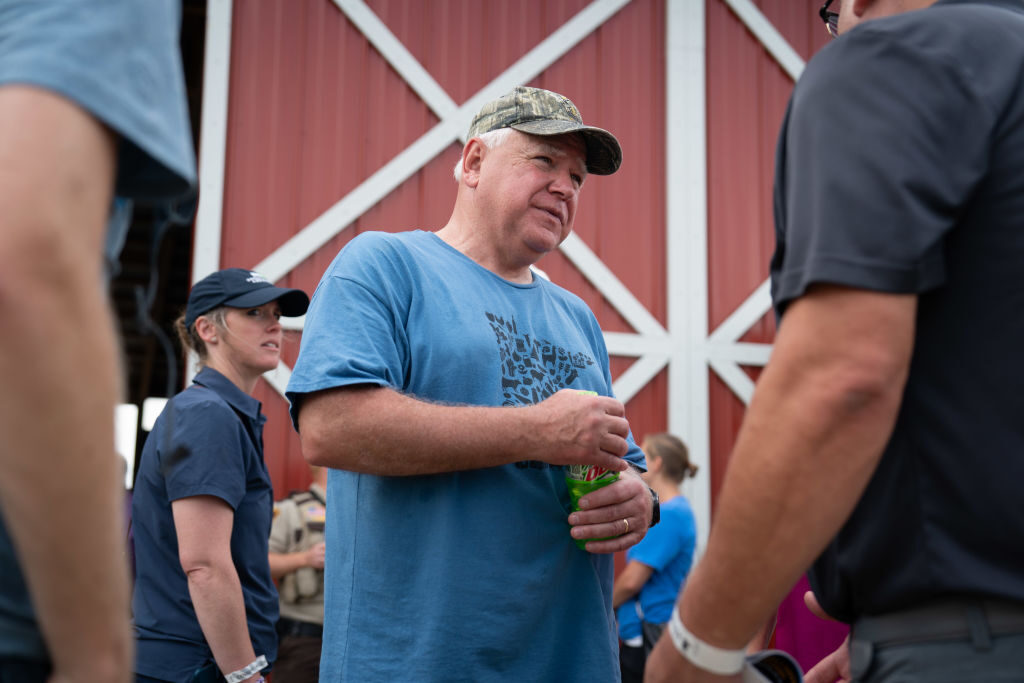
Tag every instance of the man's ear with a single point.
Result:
(472, 159)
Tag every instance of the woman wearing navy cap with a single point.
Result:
(204, 603)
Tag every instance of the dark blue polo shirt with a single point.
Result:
(900, 169)
(207, 442)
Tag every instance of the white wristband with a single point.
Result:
(253, 668)
(704, 655)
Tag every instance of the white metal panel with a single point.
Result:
(687, 268)
(769, 36)
(126, 427)
(213, 141)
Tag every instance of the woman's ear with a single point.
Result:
(206, 329)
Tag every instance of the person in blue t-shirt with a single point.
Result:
(656, 568)
(204, 602)
(440, 379)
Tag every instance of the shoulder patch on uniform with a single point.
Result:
(314, 512)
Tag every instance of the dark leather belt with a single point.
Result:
(953, 619)
(293, 627)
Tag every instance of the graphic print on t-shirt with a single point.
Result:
(532, 369)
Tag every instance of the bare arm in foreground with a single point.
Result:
(821, 415)
(60, 484)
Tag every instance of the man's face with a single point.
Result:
(530, 186)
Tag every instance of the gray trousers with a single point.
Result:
(953, 641)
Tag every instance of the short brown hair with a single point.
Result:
(674, 455)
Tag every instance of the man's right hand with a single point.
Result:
(581, 429)
(381, 431)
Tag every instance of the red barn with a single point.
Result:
(322, 119)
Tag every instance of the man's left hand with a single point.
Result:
(620, 512)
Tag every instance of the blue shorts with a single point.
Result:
(121, 61)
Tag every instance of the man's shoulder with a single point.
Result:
(378, 239)
(954, 36)
(555, 290)
(370, 253)
(286, 511)
(572, 303)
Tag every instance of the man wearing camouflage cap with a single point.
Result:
(441, 380)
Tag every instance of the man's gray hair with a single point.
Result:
(492, 138)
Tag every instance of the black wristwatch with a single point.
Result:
(656, 509)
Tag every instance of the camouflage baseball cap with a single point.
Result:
(542, 112)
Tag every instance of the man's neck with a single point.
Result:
(483, 252)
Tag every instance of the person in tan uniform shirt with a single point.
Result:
(297, 564)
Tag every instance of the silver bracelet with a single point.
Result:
(704, 655)
(254, 667)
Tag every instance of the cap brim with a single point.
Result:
(294, 302)
(604, 155)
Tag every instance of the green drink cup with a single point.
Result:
(582, 479)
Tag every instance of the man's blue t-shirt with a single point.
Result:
(469, 575)
(207, 442)
(668, 550)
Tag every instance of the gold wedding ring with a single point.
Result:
(626, 522)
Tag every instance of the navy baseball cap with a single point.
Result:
(240, 288)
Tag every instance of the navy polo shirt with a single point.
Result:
(207, 442)
(899, 169)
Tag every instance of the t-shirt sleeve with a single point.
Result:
(207, 456)
(882, 145)
(353, 332)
